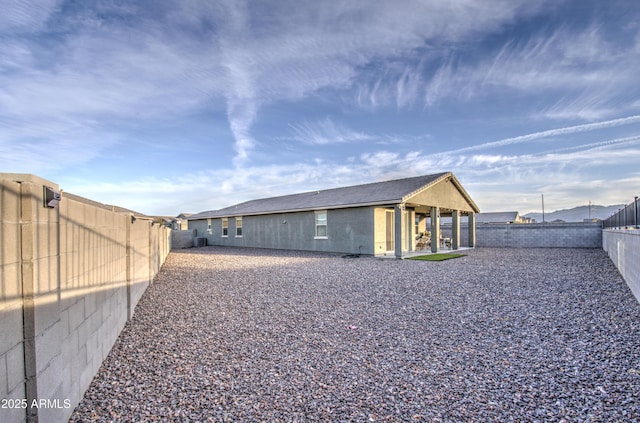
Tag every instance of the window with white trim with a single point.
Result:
(209, 228)
(239, 227)
(321, 224)
(225, 227)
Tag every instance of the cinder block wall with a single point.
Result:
(70, 278)
(93, 293)
(623, 247)
(182, 239)
(535, 235)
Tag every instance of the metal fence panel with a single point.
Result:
(629, 216)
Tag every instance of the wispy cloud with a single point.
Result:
(546, 134)
(591, 147)
(69, 150)
(581, 72)
(326, 131)
(332, 47)
(240, 75)
(587, 73)
(23, 16)
(439, 85)
(82, 80)
(106, 67)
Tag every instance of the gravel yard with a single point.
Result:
(228, 334)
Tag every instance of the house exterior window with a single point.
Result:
(238, 227)
(321, 224)
(225, 227)
(209, 228)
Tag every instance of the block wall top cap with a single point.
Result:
(27, 177)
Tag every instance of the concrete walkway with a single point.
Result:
(426, 252)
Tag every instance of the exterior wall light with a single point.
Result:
(50, 197)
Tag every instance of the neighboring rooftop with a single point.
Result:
(498, 217)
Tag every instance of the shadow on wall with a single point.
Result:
(70, 278)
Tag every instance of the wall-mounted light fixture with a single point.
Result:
(50, 197)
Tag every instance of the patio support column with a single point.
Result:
(435, 229)
(455, 230)
(411, 223)
(472, 229)
(398, 232)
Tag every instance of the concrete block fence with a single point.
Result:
(70, 277)
(623, 247)
(182, 239)
(534, 235)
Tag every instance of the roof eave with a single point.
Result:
(305, 209)
(466, 195)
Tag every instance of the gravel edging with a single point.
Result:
(230, 334)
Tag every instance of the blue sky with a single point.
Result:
(183, 106)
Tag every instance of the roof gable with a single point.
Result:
(445, 192)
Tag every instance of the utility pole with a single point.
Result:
(589, 209)
(542, 208)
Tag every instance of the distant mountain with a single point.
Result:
(577, 214)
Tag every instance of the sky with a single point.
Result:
(166, 107)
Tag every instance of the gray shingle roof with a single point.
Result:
(387, 192)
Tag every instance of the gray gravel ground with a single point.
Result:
(260, 335)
